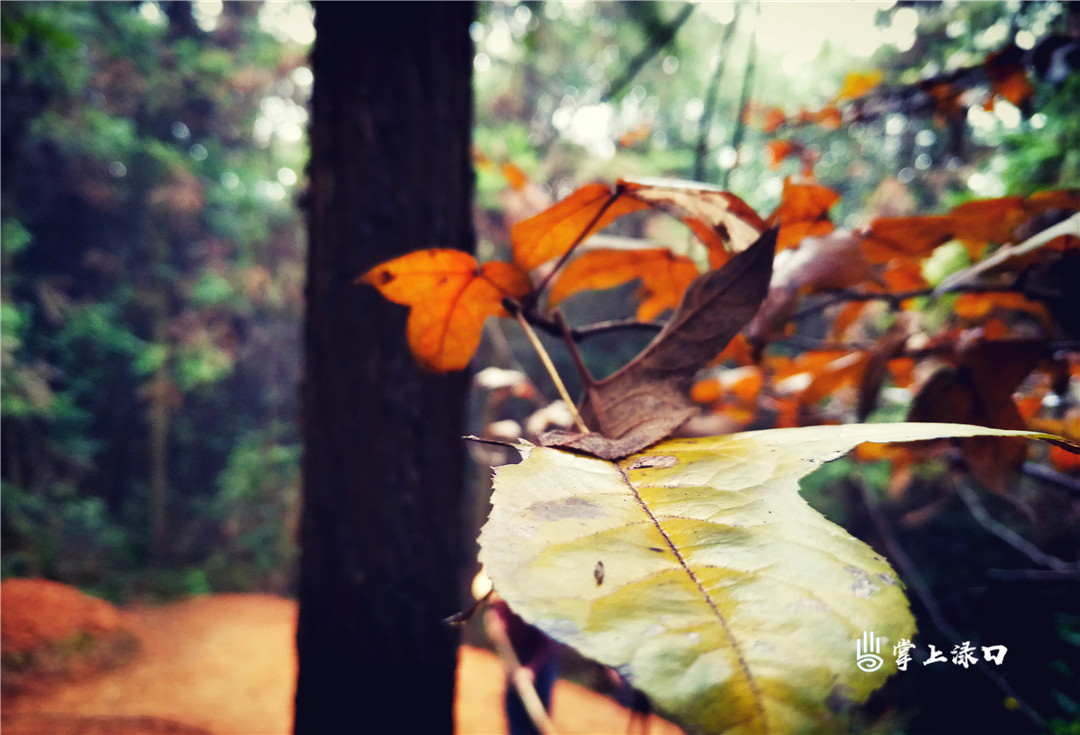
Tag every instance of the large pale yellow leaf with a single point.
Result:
(699, 573)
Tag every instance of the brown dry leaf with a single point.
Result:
(803, 212)
(554, 231)
(721, 220)
(817, 264)
(887, 347)
(649, 398)
(449, 296)
(664, 277)
(979, 390)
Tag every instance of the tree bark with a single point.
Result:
(382, 532)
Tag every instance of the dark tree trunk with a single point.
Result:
(381, 532)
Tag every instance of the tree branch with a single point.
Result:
(744, 98)
(705, 123)
(1009, 536)
(657, 41)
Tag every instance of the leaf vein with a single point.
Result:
(736, 648)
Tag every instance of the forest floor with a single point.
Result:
(226, 665)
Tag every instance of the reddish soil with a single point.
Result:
(226, 664)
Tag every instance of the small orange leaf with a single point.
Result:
(514, 176)
(738, 350)
(858, 84)
(803, 212)
(551, 233)
(664, 277)
(830, 118)
(774, 119)
(846, 370)
(978, 306)
(778, 150)
(449, 297)
(1007, 75)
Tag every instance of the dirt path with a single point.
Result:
(226, 665)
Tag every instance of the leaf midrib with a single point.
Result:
(736, 648)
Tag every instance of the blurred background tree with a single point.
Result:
(152, 292)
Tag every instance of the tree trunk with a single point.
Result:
(381, 531)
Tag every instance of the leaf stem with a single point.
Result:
(550, 366)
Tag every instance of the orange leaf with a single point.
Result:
(830, 118)
(664, 277)
(905, 236)
(743, 384)
(449, 297)
(514, 176)
(902, 370)
(778, 150)
(803, 211)
(845, 370)
(903, 275)
(1007, 75)
(738, 350)
(774, 119)
(978, 306)
(988, 220)
(1041, 201)
(858, 84)
(553, 232)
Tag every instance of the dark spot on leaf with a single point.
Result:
(443, 280)
(723, 232)
(556, 510)
(657, 550)
(385, 277)
(598, 573)
(644, 463)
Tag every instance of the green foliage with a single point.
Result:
(59, 535)
(152, 276)
(256, 503)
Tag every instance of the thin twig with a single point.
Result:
(568, 340)
(1009, 536)
(517, 674)
(829, 298)
(1069, 484)
(550, 367)
(1033, 575)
